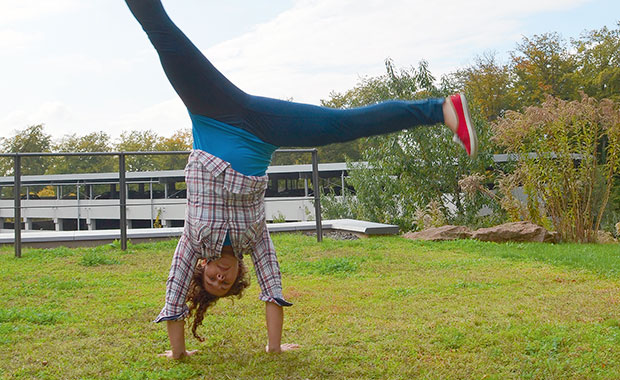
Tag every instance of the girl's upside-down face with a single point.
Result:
(220, 275)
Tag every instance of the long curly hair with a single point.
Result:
(200, 300)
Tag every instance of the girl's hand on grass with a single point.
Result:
(168, 354)
(283, 347)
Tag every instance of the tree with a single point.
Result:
(410, 169)
(136, 141)
(370, 90)
(31, 139)
(490, 86)
(598, 57)
(338, 152)
(181, 140)
(92, 142)
(543, 66)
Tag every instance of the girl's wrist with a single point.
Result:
(273, 348)
(179, 354)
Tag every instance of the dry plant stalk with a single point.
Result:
(505, 184)
(563, 147)
(430, 216)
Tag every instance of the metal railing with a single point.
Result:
(17, 185)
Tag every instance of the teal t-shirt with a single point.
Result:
(246, 153)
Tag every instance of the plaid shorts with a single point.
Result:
(221, 200)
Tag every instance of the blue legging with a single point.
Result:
(205, 91)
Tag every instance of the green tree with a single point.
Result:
(339, 152)
(403, 84)
(543, 65)
(30, 139)
(181, 140)
(490, 86)
(598, 57)
(92, 142)
(139, 141)
(409, 169)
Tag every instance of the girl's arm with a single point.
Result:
(275, 319)
(176, 334)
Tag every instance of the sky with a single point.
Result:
(82, 66)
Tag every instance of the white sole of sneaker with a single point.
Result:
(473, 137)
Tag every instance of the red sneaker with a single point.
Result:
(466, 133)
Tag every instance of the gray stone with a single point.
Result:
(447, 232)
(605, 237)
(516, 231)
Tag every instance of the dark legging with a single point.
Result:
(205, 91)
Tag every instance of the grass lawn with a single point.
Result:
(380, 308)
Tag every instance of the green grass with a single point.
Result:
(380, 308)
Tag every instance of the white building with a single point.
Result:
(70, 202)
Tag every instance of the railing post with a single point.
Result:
(77, 199)
(17, 193)
(317, 195)
(122, 183)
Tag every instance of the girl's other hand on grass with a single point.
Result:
(168, 354)
(283, 347)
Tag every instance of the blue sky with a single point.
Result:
(83, 66)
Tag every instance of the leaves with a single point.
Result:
(35, 139)
(543, 66)
(568, 157)
(135, 141)
(92, 142)
(409, 169)
(30, 139)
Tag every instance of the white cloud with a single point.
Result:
(49, 113)
(70, 63)
(164, 118)
(78, 63)
(12, 39)
(323, 45)
(56, 111)
(60, 119)
(14, 11)
(15, 32)
(305, 52)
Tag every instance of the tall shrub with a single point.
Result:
(568, 154)
(408, 170)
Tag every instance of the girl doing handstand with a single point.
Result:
(235, 135)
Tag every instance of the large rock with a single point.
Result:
(605, 237)
(447, 232)
(516, 231)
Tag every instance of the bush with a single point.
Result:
(344, 206)
(409, 169)
(413, 168)
(568, 154)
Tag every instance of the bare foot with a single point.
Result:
(284, 347)
(168, 354)
(449, 115)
